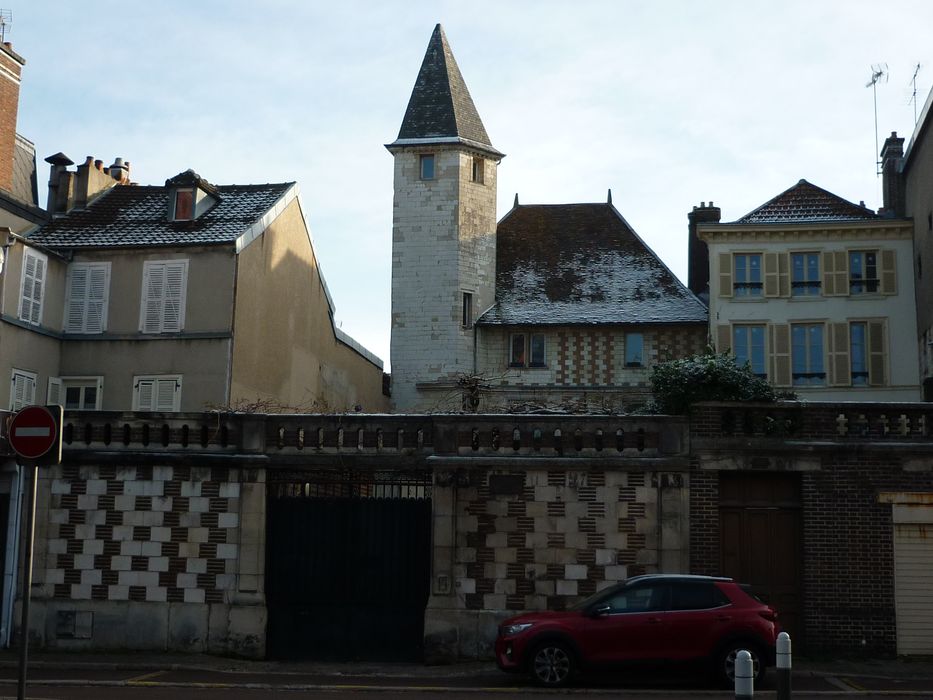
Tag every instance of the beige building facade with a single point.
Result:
(816, 295)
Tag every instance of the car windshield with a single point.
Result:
(586, 602)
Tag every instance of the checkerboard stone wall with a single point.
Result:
(141, 533)
(568, 534)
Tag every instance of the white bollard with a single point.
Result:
(783, 666)
(744, 676)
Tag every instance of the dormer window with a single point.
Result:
(190, 196)
(184, 205)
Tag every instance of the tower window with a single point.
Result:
(427, 166)
(466, 319)
(479, 169)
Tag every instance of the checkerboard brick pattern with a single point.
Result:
(568, 534)
(142, 533)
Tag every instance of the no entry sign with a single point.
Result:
(35, 431)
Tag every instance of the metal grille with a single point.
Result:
(347, 483)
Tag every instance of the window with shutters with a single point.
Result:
(746, 275)
(163, 296)
(32, 289)
(88, 291)
(157, 393)
(748, 346)
(76, 393)
(807, 354)
(805, 274)
(22, 389)
(863, 271)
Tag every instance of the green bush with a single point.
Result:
(678, 384)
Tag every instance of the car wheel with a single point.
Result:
(552, 664)
(726, 658)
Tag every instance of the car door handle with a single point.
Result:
(653, 620)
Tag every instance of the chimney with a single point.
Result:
(697, 250)
(11, 65)
(892, 158)
(61, 184)
(91, 180)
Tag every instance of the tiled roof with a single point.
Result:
(25, 177)
(129, 216)
(582, 264)
(440, 106)
(806, 202)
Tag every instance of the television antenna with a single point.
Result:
(913, 95)
(879, 71)
(6, 21)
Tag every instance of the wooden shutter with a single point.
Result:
(166, 391)
(54, 395)
(76, 300)
(888, 272)
(33, 283)
(98, 293)
(174, 311)
(771, 273)
(150, 316)
(877, 353)
(724, 337)
(23, 391)
(835, 273)
(144, 394)
(784, 274)
(725, 274)
(840, 368)
(779, 337)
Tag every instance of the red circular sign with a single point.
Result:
(33, 432)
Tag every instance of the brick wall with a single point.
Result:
(10, 69)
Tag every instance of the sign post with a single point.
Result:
(35, 435)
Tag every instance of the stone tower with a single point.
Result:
(443, 235)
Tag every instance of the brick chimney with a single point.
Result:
(697, 250)
(11, 65)
(892, 157)
(75, 190)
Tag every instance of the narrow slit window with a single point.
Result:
(426, 162)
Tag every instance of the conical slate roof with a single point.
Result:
(806, 202)
(440, 108)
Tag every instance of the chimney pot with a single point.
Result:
(89, 160)
(99, 164)
(702, 205)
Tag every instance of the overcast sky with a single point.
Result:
(666, 103)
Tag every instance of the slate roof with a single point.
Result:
(129, 216)
(572, 264)
(440, 107)
(806, 202)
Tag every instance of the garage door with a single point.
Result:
(913, 562)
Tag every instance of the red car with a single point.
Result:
(659, 617)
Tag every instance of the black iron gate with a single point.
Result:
(348, 564)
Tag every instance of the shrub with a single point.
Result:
(678, 384)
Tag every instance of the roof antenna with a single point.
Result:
(878, 71)
(6, 21)
(609, 197)
(913, 95)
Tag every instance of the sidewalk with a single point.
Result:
(913, 669)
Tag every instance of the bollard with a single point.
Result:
(744, 676)
(783, 666)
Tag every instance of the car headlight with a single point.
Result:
(509, 630)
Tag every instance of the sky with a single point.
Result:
(666, 103)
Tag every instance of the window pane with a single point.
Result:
(184, 205)
(634, 349)
(427, 167)
(73, 397)
(537, 350)
(757, 349)
(90, 398)
(857, 354)
(517, 350)
(740, 345)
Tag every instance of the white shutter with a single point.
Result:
(23, 390)
(166, 390)
(144, 394)
(54, 395)
(97, 298)
(30, 309)
(77, 296)
(174, 313)
(163, 297)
